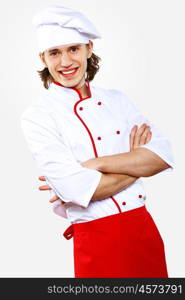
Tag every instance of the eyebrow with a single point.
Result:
(56, 49)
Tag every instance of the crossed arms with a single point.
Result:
(121, 170)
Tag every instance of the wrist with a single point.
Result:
(102, 164)
(116, 163)
(99, 164)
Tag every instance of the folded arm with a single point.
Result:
(146, 159)
(111, 184)
(140, 162)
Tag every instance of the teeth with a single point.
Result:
(69, 72)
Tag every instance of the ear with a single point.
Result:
(41, 55)
(90, 49)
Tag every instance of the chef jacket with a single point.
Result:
(62, 130)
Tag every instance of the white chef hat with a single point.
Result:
(58, 25)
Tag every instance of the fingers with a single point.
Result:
(149, 136)
(140, 136)
(47, 187)
(55, 198)
(132, 135)
(44, 187)
(145, 136)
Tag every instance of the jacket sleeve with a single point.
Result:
(159, 143)
(68, 179)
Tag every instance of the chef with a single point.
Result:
(92, 145)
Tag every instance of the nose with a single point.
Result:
(66, 60)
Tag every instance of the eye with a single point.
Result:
(55, 53)
(74, 49)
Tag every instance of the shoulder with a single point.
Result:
(34, 112)
(115, 94)
(40, 108)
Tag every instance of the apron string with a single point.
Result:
(69, 232)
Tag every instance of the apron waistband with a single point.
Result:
(69, 232)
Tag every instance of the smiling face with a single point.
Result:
(68, 64)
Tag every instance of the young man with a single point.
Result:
(92, 145)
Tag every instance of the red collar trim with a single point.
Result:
(77, 91)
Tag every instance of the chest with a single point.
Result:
(92, 127)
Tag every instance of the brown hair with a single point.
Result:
(92, 69)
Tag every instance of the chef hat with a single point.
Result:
(57, 25)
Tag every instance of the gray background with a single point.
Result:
(142, 52)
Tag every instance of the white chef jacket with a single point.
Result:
(62, 129)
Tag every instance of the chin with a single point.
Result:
(70, 83)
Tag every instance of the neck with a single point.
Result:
(83, 90)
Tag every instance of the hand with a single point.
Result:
(140, 136)
(92, 163)
(46, 187)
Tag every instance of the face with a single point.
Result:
(68, 64)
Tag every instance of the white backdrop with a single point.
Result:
(142, 53)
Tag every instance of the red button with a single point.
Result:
(99, 103)
(81, 108)
(118, 132)
(124, 203)
(140, 196)
(99, 138)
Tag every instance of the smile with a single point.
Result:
(68, 73)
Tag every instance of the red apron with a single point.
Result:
(123, 245)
